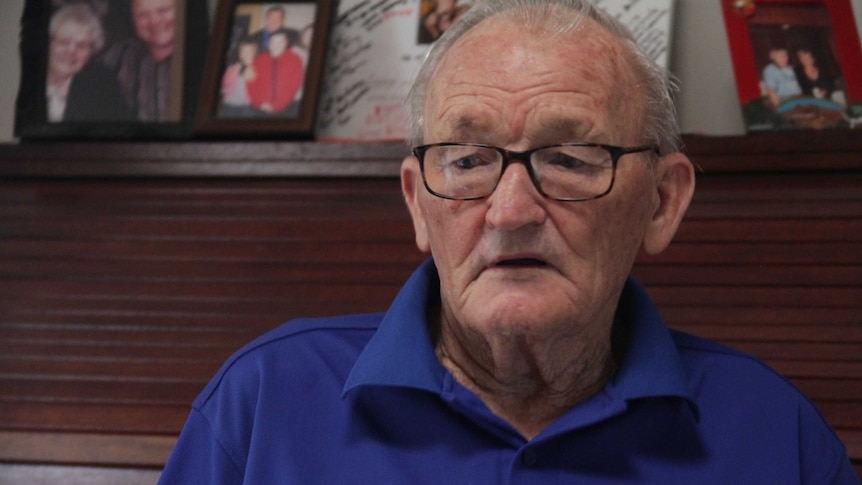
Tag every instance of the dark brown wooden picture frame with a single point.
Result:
(272, 102)
(101, 103)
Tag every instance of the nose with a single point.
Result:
(515, 202)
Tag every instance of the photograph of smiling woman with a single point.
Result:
(77, 88)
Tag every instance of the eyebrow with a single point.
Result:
(555, 130)
(466, 129)
(564, 130)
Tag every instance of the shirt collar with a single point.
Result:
(652, 366)
(401, 353)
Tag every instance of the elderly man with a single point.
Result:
(522, 352)
(142, 63)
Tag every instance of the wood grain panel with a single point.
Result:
(119, 297)
(76, 475)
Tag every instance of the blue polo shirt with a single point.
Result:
(363, 400)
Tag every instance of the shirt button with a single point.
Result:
(529, 458)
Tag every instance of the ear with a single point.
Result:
(675, 188)
(412, 187)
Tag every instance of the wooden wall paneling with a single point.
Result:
(827, 150)
(75, 475)
(127, 295)
(120, 296)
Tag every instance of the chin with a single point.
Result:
(523, 312)
(515, 325)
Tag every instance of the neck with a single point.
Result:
(57, 81)
(528, 382)
(160, 53)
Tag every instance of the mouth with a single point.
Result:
(520, 263)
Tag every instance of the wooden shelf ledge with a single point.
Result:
(86, 448)
(767, 152)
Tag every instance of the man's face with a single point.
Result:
(277, 45)
(70, 49)
(780, 57)
(516, 263)
(274, 20)
(154, 21)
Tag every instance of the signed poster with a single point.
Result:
(377, 46)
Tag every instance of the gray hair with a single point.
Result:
(82, 14)
(658, 86)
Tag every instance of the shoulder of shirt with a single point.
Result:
(736, 366)
(305, 328)
(704, 348)
(368, 321)
(116, 51)
(766, 390)
(289, 338)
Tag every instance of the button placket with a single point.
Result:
(529, 457)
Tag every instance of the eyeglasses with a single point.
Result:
(568, 172)
(68, 43)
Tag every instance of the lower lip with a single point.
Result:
(520, 262)
(518, 267)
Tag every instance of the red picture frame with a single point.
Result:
(757, 27)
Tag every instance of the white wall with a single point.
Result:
(700, 58)
(10, 18)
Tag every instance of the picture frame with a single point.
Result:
(264, 69)
(91, 69)
(797, 63)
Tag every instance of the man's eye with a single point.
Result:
(468, 162)
(568, 162)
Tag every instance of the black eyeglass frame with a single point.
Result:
(509, 156)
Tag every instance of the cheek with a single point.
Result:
(82, 56)
(441, 228)
(453, 230)
(608, 237)
(626, 223)
(55, 55)
(168, 20)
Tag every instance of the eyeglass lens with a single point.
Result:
(562, 172)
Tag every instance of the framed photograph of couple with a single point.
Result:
(110, 69)
(798, 63)
(264, 69)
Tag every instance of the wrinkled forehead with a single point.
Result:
(73, 29)
(148, 5)
(582, 40)
(510, 55)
